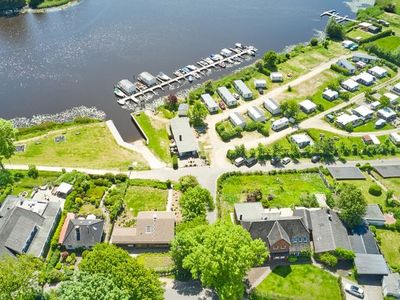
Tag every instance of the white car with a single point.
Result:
(286, 160)
(354, 290)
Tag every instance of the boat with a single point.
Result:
(121, 101)
(222, 64)
(177, 73)
(119, 93)
(191, 67)
(190, 78)
(197, 76)
(163, 76)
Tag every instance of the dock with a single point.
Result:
(333, 14)
(214, 64)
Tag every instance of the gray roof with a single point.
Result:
(391, 284)
(305, 214)
(364, 55)
(183, 107)
(374, 213)
(346, 64)
(343, 173)
(363, 241)
(249, 211)
(277, 233)
(184, 135)
(388, 171)
(370, 264)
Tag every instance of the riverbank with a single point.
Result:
(51, 6)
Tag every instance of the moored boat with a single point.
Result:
(119, 93)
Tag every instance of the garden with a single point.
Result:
(389, 243)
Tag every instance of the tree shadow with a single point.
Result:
(282, 271)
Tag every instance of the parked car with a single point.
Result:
(286, 160)
(315, 159)
(261, 91)
(239, 161)
(354, 290)
(275, 161)
(222, 105)
(237, 97)
(251, 161)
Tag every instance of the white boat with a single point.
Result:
(190, 78)
(119, 93)
(163, 76)
(121, 101)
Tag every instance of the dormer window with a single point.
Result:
(148, 229)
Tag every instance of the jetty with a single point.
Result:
(334, 14)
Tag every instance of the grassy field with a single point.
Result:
(156, 261)
(370, 127)
(383, 3)
(27, 183)
(390, 246)
(354, 34)
(390, 43)
(86, 146)
(300, 282)
(157, 134)
(142, 198)
(394, 21)
(390, 183)
(52, 3)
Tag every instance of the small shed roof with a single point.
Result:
(249, 211)
(342, 173)
(308, 104)
(64, 188)
(374, 213)
(371, 264)
(388, 171)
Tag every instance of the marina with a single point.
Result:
(334, 14)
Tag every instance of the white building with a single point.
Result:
(280, 124)
(330, 95)
(256, 114)
(380, 123)
(378, 72)
(371, 139)
(307, 106)
(366, 58)
(126, 86)
(395, 138)
(396, 88)
(302, 140)
(387, 114)
(272, 106)
(344, 63)
(365, 79)
(363, 111)
(243, 90)
(276, 77)
(209, 102)
(392, 98)
(260, 83)
(226, 96)
(346, 119)
(350, 85)
(237, 119)
(147, 78)
(375, 105)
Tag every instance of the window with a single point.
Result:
(148, 229)
(295, 240)
(305, 239)
(275, 247)
(283, 247)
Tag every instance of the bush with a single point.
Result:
(328, 259)
(33, 172)
(263, 129)
(340, 70)
(375, 190)
(187, 182)
(175, 162)
(314, 42)
(345, 254)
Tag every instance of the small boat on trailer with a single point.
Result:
(119, 93)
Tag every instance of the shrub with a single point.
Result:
(187, 182)
(33, 172)
(314, 42)
(375, 190)
(175, 162)
(328, 259)
(345, 254)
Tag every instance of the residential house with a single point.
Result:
(256, 114)
(395, 138)
(126, 86)
(260, 83)
(344, 63)
(80, 232)
(380, 123)
(184, 137)
(393, 99)
(210, 103)
(237, 120)
(307, 106)
(387, 114)
(63, 190)
(374, 215)
(363, 111)
(302, 140)
(330, 95)
(147, 78)
(391, 285)
(276, 77)
(366, 58)
(375, 105)
(243, 90)
(378, 72)
(350, 85)
(345, 119)
(371, 139)
(364, 25)
(365, 79)
(226, 96)
(396, 88)
(280, 124)
(272, 106)
(183, 110)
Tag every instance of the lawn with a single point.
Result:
(390, 43)
(27, 183)
(156, 261)
(86, 146)
(285, 188)
(390, 246)
(355, 33)
(370, 127)
(299, 282)
(383, 3)
(52, 3)
(157, 135)
(390, 183)
(144, 198)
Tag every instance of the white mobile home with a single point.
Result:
(276, 77)
(209, 102)
(272, 106)
(280, 124)
(237, 119)
(243, 90)
(378, 72)
(395, 138)
(393, 98)
(346, 119)
(256, 114)
(302, 140)
(330, 95)
(350, 85)
(147, 78)
(396, 88)
(260, 83)
(387, 114)
(365, 79)
(363, 111)
(364, 58)
(226, 96)
(307, 106)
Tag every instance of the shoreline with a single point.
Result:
(27, 9)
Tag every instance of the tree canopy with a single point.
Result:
(270, 58)
(334, 30)
(219, 255)
(7, 139)
(187, 182)
(290, 109)
(352, 205)
(195, 202)
(123, 270)
(197, 113)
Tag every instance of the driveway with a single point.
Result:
(372, 289)
(186, 290)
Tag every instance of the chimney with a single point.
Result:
(180, 138)
(240, 217)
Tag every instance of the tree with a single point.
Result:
(352, 205)
(385, 101)
(314, 42)
(270, 59)
(33, 172)
(12, 4)
(7, 139)
(334, 30)
(195, 203)
(219, 255)
(187, 182)
(259, 65)
(290, 109)
(198, 113)
(85, 286)
(123, 270)
(308, 200)
(171, 102)
(208, 87)
(20, 277)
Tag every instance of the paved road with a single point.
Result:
(190, 290)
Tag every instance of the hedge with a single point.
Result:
(377, 36)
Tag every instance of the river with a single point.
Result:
(53, 61)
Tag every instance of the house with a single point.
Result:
(395, 138)
(350, 85)
(364, 58)
(276, 77)
(345, 119)
(393, 99)
(363, 111)
(26, 225)
(330, 95)
(391, 285)
(396, 88)
(365, 79)
(210, 103)
(183, 110)
(387, 114)
(126, 86)
(256, 114)
(272, 106)
(260, 83)
(374, 29)
(375, 105)
(237, 120)
(184, 137)
(344, 63)
(371, 139)
(302, 140)
(374, 215)
(280, 124)
(364, 26)
(243, 90)
(80, 232)
(378, 72)
(226, 96)
(370, 265)
(307, 106)
(152, 229)
(147, 78)
(360, 65)
(380, 123)
(63, 190)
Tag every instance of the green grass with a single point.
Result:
(390, 246)
(370, 127)
(390, 43)
(300, 282)
(52, 3)
(286, 188)
(394, 21)
(383, 3)
(86, 146)
(143, 198)
(390, 183)
(27, 183)
(355, 33)
(157, 134)
(156, 261)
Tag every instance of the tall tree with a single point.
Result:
(7, 139)
(290, 109)
(197, 113)
(334, 30)
(270, 58)
(352, 205)
(195, 203)
(187, 182)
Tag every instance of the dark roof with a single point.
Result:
(374, 213)
(342, 173)
(388, 171)
(370, 264)
(363, 241)
(90, 232)
(277, 233)
(305, 214)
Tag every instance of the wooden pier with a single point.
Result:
(333, 14)
(160, 86)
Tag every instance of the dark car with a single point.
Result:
(251, 161)
(315, 159)
(275, 161)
